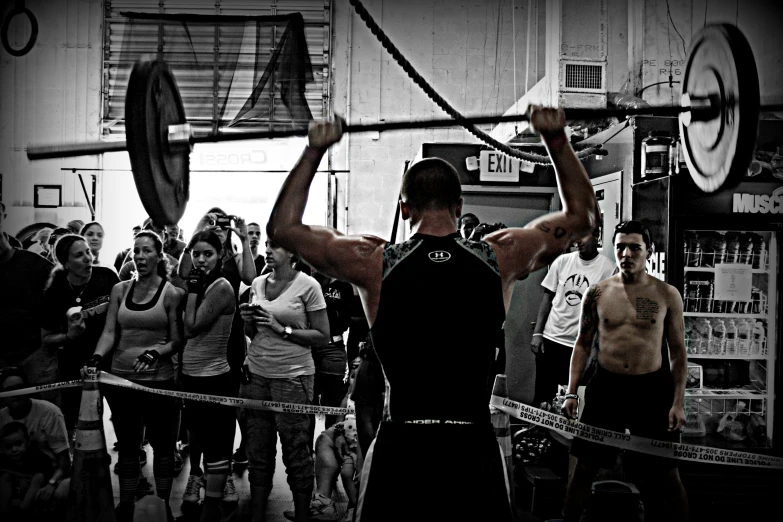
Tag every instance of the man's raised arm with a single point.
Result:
(348, 258)
(524, 250)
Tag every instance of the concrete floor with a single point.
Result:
(280, 499)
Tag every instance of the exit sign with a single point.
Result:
(496, 166)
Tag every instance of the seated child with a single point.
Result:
(24, 471)
(335, 453)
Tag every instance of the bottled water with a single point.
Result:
(743, 338)
(705, 335)
(731, 338)
(719, 338)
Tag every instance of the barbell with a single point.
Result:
(718, 120)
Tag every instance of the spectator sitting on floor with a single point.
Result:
(45, 426)
(24, 472)
(335, 453)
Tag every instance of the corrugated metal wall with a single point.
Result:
(196, 84)
(50, 95)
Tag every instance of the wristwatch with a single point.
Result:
(287, 331)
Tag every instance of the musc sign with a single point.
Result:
(744, 203)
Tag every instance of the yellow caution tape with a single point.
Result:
(659, 448)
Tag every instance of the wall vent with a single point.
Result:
(581, 82)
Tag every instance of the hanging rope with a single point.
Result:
(538, 159)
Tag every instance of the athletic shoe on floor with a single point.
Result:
(230, 491)
(321, 508)
(192, 489)
(240, 457)
(348, 517)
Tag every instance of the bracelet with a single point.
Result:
(571, 396)
(538, 335)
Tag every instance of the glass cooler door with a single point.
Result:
(729, 299)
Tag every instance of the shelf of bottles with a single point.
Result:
(721, 333)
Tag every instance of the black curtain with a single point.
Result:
(232, 71)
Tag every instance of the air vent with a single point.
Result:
(579, 76)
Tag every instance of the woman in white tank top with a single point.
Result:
(209, 312)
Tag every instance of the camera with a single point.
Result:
(222, 221)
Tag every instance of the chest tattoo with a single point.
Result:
(646, 309)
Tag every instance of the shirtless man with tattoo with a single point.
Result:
(633, 313)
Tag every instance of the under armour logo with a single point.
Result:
(439, 256)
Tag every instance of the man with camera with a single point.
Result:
(23, 276)
(411, 292)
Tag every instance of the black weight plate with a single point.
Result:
(162, 175)
(719, 151)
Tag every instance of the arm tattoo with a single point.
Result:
(546, 226)
(646, 309)
(590, 311)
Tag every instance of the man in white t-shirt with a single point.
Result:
(46, 425)
(557, 323)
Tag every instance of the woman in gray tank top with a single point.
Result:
(141, 334)
(209, 312)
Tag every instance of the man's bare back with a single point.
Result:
(631, 323)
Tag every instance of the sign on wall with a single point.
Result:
(745, 203)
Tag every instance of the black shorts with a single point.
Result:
(446, 459)
(639, 403)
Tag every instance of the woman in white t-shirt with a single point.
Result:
(286, 316)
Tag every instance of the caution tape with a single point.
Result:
(665, 449)
(658, 448)
(253, 404)
(42, 387)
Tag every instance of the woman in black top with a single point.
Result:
(78, 286)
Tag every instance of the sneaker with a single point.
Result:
(240, 457)
(348, 516)
(230, 491)
(321, 508)
(192, 489)
(178, 463)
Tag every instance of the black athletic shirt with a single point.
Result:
(440, 309)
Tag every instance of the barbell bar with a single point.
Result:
(718, 120)
(176, 137)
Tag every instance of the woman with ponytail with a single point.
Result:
(209, 313)
(73, 313)
(142, 332)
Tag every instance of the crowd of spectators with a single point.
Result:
(218, 313)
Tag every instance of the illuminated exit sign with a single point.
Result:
(496, 166)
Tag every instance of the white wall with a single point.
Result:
(50, 95)
(464, 49)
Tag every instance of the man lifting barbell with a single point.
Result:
(410, 294)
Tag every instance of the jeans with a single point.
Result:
(264, 426)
